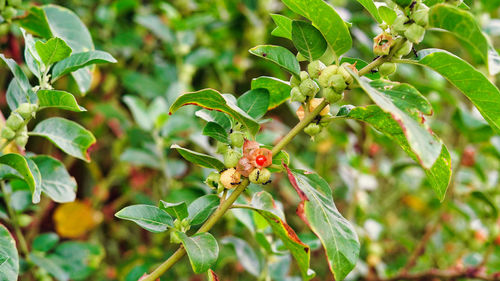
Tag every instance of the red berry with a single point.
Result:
(260, 160)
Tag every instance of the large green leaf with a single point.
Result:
(439, 174)
(56, 181)
(200, 159)
(52, 51)
(79, 60)
(421, 141)
(279, 90)
(69, 136)
(28, 171)
(279, 55)
(36, 22)
(318, 210)
(202, 250)
(9, 258)
(200, 209)
(472, 83)
(324, 17)
(213, 100)
(58, 99)
(387, 14)
(283, 26)
(308, 40)
(216, 131)
(255, 102)
(370, 7)
(148, 217)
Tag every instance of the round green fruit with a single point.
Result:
(7, 133)
(324, 77)
(331, 95)
(312, 129)
(315, 68)
(308, 87)
(415, 33)
(15, 121)
(237, 139)
(296, 95)
(387, 69)
(231, 158)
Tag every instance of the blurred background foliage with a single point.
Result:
(165, 48)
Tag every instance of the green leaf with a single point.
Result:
(80, 60)
(438, 175)
(216, 117)
(246, 255)
(139, 111)
(52, 266)
(324, 17)
(308, 40)
(19, 76)
(387, 15)
(279, 55)
(216, 132)
(16, 96)
(200, 209)
(279, 90)
(58, 99)
(200, 159)
(421, 141)
(148, 217)
(202, 250)
(79, 259)
(36, 22)
(370, 7)
(213, 100)
(318, 210)
(141, 157)
(283, 26)
(69, 136)
(9, 258)
(178, 210)
(27, 170)
(30, 54)
(45, 242)
(254, 102)
(464, 25)
(472, 83)
(67, 25)
(52, 51)
(56, 181)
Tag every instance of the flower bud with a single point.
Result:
(294, 81)
(213, 180)
(415, 33)
(331, 95)
(421, 15)
(399, 25)
(404, 50)
(15, 121)
(324, 77)
(308, 87)
(312, 129)
(315, 68)
(296, 95)
(25, 110)
(9, 13)
(174, 237)
(387, 69)
(237, 139)
(221, 147)
(7, 133)
(304, 75)
(185, 224)
(347, 76)
(22, 140)
(230, 178)
(337, 82)
(231, 158)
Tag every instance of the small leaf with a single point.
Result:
(79, 60)
(139, 111)
(69, 136)
(54, 50)
(216, 132)
(246, 255)
(141, 157)
(308, 40)
(387, 14)
(324, 17)
(16, 96)
(254, 102)
(370, 7)
(279, 55)
(9, 258)
(318, 210)
(28, 171)
(200, 159)
(148, 217)
(56, 181)
(279, 90)
(58, 99)
(200, 209)
(19, 76)
(45, 242)
(36, 22)
(52, 266)
(178, 210)
(213, 100)
(283, 26)
(215, 116)
(202, 250)
(30, 54)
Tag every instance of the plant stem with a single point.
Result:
(12, 214)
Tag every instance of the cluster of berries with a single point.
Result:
(8, 10)
(15, 127)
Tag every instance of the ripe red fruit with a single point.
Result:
(260, 160)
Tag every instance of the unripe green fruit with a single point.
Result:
(254, 176)
(174, 238)
(308, 87)
(294, 81)
(185, 224)
(337, 82)
(421, 15)
(304, 75)
(312, 129)
(404, 50)
(15, 3)
(21, 140)
(324, 77)
(403, 3)
(237, 139)
(259, 176)
(315, 68)
(221, 147)
(415, 33)
(399, 26)
(9, 12)
(231, 158)
(8, 133)
(347, 76)
(25, 110)
(15, 121)
(331, 95)
(213, 180)
(297, 95)
(387, 68)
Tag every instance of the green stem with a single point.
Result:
(12, 214)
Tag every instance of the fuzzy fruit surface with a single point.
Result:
(312, 129)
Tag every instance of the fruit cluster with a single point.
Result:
(8, 10)
(15, 127)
